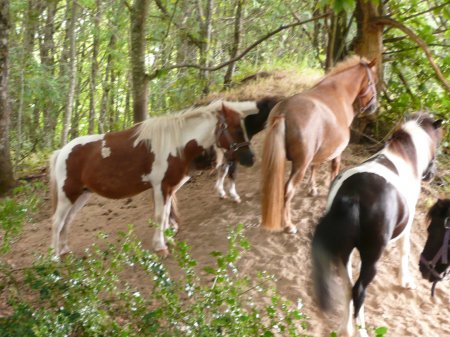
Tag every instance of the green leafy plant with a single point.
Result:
(14, 211)
(92, 296)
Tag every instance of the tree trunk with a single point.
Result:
(139, 13)
(336, 50)
(6, 172)
(206, 30)
(368, 43)
(236, 41)
(47, 52)
(369, 37)
(72, 75)
(94, 66)
(106, 87)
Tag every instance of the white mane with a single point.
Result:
(164, 132)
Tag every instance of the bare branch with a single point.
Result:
(413, 36)
(242, 54)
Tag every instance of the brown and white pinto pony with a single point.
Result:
(369, 206)
(308, 129)
(157, 153)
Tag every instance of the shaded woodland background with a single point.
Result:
(70, 68)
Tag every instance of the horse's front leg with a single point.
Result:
(406, 279)
(232, 175)
(161, 218)
(222, 171)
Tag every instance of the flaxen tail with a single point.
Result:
(272, 168)
(52, 180)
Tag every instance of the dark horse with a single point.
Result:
(157, 153)
(252, 123)
(308, 129)
(369, 206)
(435, 258)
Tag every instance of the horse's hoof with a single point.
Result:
(409, 285)
(291, 229)
(237, 200)
(163, 253)
(363, 333)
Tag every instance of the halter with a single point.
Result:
(222, 129)
(370, 88)
(442, 254)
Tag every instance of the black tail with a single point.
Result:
(332, 244)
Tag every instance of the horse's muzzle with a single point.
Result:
(426, 273)
(246, 157)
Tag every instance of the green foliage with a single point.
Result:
(14, 211)
(91, 296)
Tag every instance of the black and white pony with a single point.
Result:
(253, 122)
(435, 258)
(368, 206)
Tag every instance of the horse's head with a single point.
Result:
(231, 137)
(367, 101)
(434, 260)
(434, 130)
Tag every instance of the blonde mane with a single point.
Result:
(349, 62)
(164, 132)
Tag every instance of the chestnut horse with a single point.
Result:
(308, 129)
(369, 206)
(434, 262)
(157, 153)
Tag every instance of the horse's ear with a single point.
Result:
(226, 110)
(373, 63)
(437, 124)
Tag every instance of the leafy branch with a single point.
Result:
(157, 72)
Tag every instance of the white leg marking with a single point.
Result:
(347, 329)
(59, 218)
(361, 322)
(221, 174)
(158, 236)
(79, 203)
(406, 278)
(233, 192)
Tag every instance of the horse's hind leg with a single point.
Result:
(312, 181)
(335, 166)
(232, 175)
(79, 203)
(366, 275)
(345, 272)
(406, 279)
(62, 211)
(297, 174)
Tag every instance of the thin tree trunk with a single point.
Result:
(138, 19)
(72, 75)
(236, 43)
(94, 65)
(369, 38)
(206, 28)
(47, 52)
(6, 172)
(106, 86)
